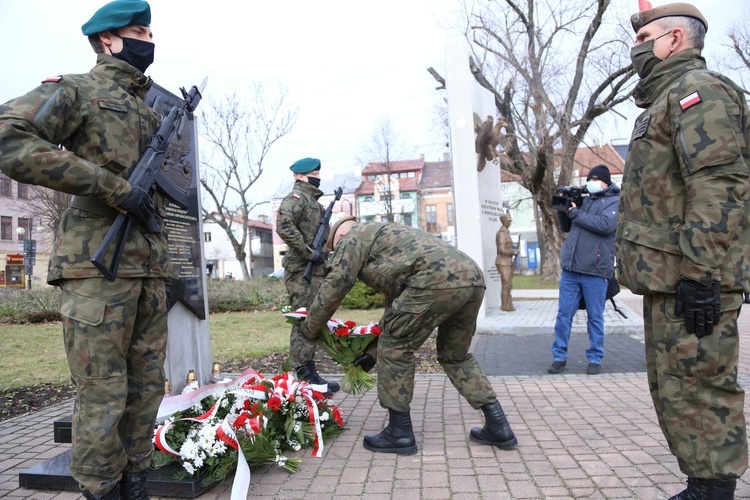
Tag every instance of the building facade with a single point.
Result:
(390, 191)
(221, 259)
(436, 204)
(19, 222)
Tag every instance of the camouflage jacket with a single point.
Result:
(297, 223)
(390, 257)
(103, 123)
(684, 206)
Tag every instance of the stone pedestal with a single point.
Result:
(54, 474)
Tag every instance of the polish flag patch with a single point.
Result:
(52, 79)
(295, 196)
(689, 101)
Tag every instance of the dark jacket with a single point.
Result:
(590, 246)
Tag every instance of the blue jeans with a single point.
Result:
(593, 289)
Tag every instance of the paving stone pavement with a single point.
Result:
(579, 437)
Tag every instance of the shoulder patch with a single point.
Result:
(689, 101)
(52, 79)
(295, 196)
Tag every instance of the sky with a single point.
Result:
(347, 65)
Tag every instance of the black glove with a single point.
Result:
(318, 257)
(364, 361)
(139, 205)
(700, 304)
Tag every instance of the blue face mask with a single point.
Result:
(593, 187)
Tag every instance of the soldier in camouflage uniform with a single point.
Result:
(428, 284)
(297, 223)
(115, 334)
(683, 241)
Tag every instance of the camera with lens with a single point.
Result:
(565, 196)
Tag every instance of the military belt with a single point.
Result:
(94, 205)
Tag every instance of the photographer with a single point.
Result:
(588, 260)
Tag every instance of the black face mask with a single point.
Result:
(137, 53)
(643, 57)
(315, 181)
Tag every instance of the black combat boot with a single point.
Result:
(707, 489)
(113, 494)
(309, 374)
(133, 486)
(397, 437)
(496, 430)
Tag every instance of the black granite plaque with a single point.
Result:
(182, 225)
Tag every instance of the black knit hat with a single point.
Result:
(600, 173)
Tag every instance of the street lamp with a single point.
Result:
(29, 250)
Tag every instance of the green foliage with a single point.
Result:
(257, 294)
(362, 296)
(38, 305)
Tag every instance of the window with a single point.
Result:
(406, 219)
(405, 196)
(24, 223)
(372, 177)
(206, 237)
(450, 213)
(384, 218)
(412, 174)
(430, 218)
(4, 185)
(368, 198)
(6, 228)
(369, 218)
(23, 191)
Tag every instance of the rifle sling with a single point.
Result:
(94, 205)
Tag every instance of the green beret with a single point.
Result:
(641, 19)
(305, 165)
(118, 14)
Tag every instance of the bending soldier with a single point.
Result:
(428, 284)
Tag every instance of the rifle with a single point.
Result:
(148, 176)
(322, 235)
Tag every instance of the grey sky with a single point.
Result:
(347, 64)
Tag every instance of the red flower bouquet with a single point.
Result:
(344, 341)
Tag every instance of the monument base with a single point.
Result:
(54, 474)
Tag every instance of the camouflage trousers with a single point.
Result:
(301, 294)
(693, 384)
(408, 322)
(115, 340)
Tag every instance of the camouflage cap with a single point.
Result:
(641, 19)
(336, 225)
(118, 14)
(305, 165)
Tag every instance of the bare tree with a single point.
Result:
(384, 148)
(47, 206)
(240, 132)
(552, 74)
(739, 43)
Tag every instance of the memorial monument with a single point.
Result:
(476, 190)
